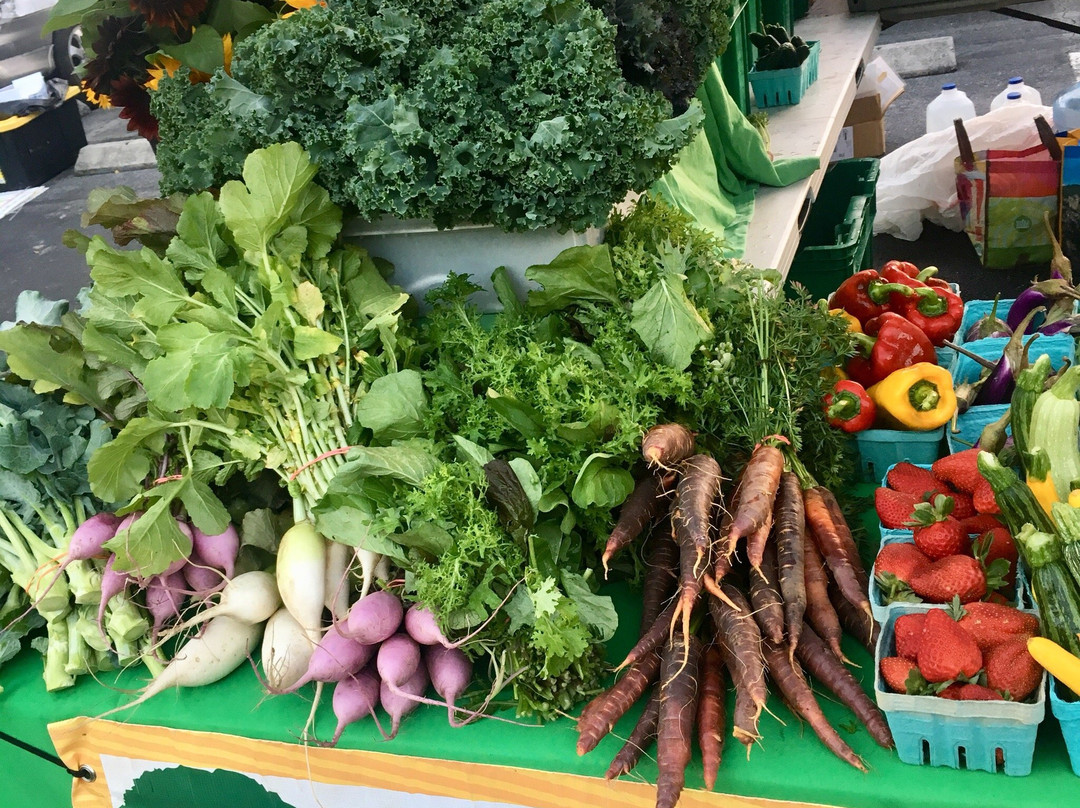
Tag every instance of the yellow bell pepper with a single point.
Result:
(833, 375)
(1041, 481)
(1062, 665)
(1074, 498)
(918, 397)
(853, 323)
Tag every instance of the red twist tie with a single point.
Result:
(340, 451)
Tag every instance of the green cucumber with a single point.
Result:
(1016, 501)
(1029, 386)
(1054, 589)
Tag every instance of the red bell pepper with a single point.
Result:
(890, 343)
(866, 295)
(849, 408)
(928, 276)
(906, 267)
(912, 271)
(938, 314)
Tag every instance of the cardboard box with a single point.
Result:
(35, 148)
(863, 134)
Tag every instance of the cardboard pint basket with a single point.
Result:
(1004, 195)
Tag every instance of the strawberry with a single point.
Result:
(936, 532)
(960, 470)
(1012, 670)
(983, 498)
(910, 479)
(963, 506)
(970, 692)
(895, 671)
(979, 524)
(946, 651)
(893, 507)
(1000, 544)
(907, 631)
(953, 576)
(991, 624)
(900, 558)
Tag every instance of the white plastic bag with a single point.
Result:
(918, 180)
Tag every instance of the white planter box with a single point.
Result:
(423, 255)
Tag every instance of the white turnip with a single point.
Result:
(286, 651)
(338, 557)
(301, 576)
(251, 597)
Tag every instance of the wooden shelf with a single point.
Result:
(810, 127)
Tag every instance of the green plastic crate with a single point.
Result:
(737, 59)
(800, 8)
(837, 239)
(778, 11)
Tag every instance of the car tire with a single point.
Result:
(68, 54)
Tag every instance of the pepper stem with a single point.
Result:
(930, 303)
(924, 396)
(844, 406)
(879, 291)
(929, 272)
(864, 342)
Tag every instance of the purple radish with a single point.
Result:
(218, 551)
(397, 660)
(112, 584)
(421, 626)
(202, 579)
(164, 599)
(450, 672)
(400, 701)
(334, 658)
(355, 697)
(373, 618)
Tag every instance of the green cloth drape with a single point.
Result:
(717, 174)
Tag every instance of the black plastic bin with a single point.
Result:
(35, 148)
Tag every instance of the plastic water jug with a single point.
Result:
(1028, 95)
(947, 107)
(1067, 109)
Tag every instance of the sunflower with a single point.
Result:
(120, 49)
(175, 14)
(134, 102)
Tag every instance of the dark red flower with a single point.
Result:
(120, 49)
(133, 100)
(175, 14)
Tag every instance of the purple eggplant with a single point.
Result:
(1056, 296)
(997, 387)
(989, 326)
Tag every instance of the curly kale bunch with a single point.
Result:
(508, 112)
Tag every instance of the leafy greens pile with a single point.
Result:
(509, 112)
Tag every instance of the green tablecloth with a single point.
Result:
(789, 764)
(717, 174)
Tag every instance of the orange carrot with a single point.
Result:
(827, 669)
(819, 610)
(604, 711)
(756, 493)
(644, 733)
(828, 541)
(797, 693)
(790, 535)
(667, 444)
(711, 718)
(642, 506)
(678, 708)
(691, 519)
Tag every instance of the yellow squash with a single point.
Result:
(1062, 665)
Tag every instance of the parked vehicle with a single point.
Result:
(25, 51)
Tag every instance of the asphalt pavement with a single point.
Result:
(989, 49)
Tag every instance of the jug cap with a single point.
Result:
(1013, 96)
(949, 86)
(1016, 80)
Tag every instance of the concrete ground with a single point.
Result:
(989, 48)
